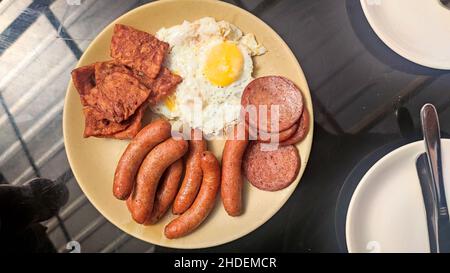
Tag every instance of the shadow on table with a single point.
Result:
(377, 48)
(23, 208)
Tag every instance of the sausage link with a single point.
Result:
(193, 175)
(167, 189)
(204, 202)
(150, 136)
(232, 179)
(149, 174)
(129, 204)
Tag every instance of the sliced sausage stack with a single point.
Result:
(149, 173)
(275, 118)
(273, 110)
(272, 105)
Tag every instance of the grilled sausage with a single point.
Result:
(167, 189)
(149, 174)
(150, 136)
(129, 204)
(204, 202)
(231, 188)
(193, 175)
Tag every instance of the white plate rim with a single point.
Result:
(396, 47)
(364, 181)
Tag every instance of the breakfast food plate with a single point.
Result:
(94, 160)
(396, 23)
(387, 212)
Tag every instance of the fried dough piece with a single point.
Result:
(112, 88)
(119, 92)
(135, 125)
(163, 86)
(96, 125)
(84, 80)
(138, 50)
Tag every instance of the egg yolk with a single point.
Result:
(170, 103)
(223, 64)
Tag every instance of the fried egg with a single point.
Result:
(215, 61)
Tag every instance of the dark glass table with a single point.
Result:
(366, 102)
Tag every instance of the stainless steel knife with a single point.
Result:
(429, 198)
(432, 138)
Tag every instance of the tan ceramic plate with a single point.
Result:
(93, 160)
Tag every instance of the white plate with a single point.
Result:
(418, 30)
(387, 213)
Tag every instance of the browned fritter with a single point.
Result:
(96, 125)
(115, 93)
(84, 80)
(92, 100)
(118, 94)
(135, 124)
(138, 50)
(163, 86)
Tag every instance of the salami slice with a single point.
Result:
(266, 92)
(282, 136)
(301, 132)
(271, 170)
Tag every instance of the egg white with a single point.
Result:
(197, 102)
